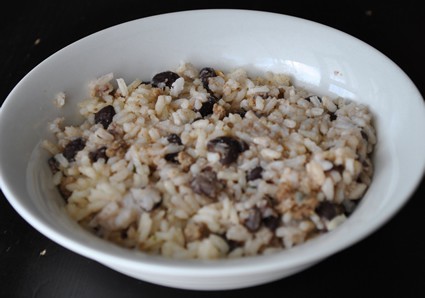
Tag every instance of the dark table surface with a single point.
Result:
(392, 260)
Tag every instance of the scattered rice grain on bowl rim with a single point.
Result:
(198, 163)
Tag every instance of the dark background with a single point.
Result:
(390, 261)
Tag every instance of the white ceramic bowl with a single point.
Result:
(321, 58)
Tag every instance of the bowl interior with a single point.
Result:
(320, 58)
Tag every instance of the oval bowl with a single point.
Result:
(318, 57)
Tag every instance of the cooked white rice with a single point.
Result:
(198, 163)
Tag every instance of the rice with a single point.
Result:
(203, 164)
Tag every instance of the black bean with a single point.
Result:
(206, 183)
(207, 107)
(64, 192)
(206, 73)
(123, 234)
(254, 174)
(233, 244)
(99, 153)
(72, 148)
(53, 164)
(332, 116)
(175, 139)
(229, 148)
(364, 135)
(281, 93)
(253, 221)
(166, 78)
(328, 210)
(243, 146)
(338, 168)
(105, 116)
(271, 222)
(172, 157)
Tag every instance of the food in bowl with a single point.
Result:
(201, 163)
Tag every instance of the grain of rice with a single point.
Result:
(59, 100)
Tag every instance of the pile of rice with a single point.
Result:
(198, 163)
